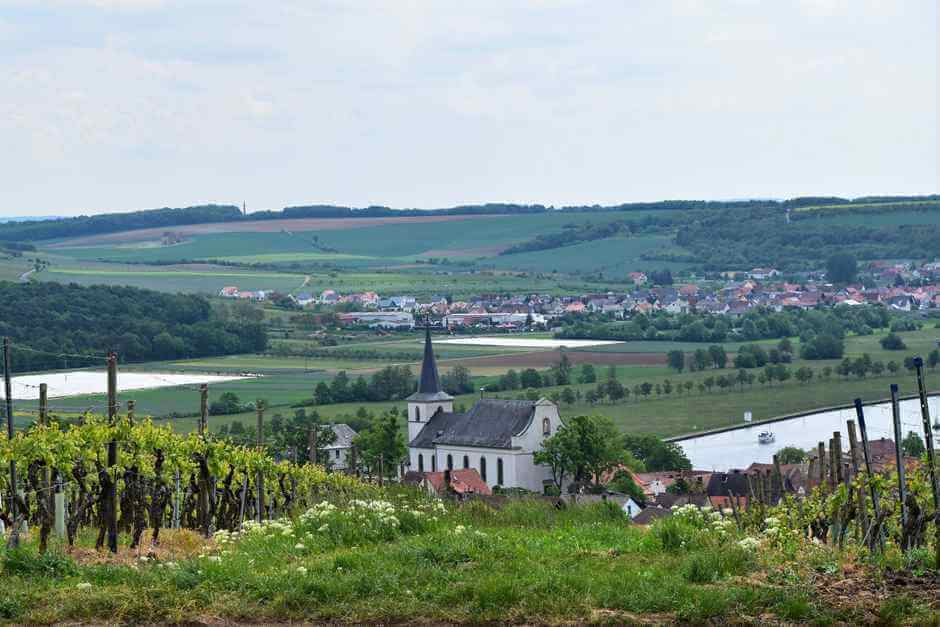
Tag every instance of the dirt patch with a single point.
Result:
(175, 544)
(545, 359)
(260, 226)
(855, 589)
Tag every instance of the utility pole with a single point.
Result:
(203, 409)
(8, 390)
(112, 453)
(259, 499)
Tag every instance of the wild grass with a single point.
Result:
(527, 562)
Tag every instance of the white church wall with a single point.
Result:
(492, 457)
(413, 459)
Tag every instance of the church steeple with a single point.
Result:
(430, 382)
(430, 397)
(429, 385)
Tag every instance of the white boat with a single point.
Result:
(766, 437)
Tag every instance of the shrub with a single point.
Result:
(893, 342)
(26, 563)
(716, 563)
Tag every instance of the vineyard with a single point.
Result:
(159, 479)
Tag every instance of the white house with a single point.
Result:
(338, 451)
(495, 437)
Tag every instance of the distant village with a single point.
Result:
(898, 286)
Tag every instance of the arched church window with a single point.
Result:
(546, 426)
(483, 468)
(466, 461)
(450, 462)
(499, 471)
(420, 462)
(434, 463)
(417, 414)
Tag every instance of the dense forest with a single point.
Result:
(48, 320)
(35, 230)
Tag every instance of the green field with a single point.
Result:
(476, 241)
(890, 218)
(380, 245)
(419, 281)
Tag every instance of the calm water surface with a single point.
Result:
(739, 448)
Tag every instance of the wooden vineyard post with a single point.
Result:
(778, 475)
(875, 503)
(312, 444)
(43, 419)
(203, 409)
(112, 454)
(8, 391)
(902, 485)
(832, 465)
(821, 451)
(856, 455)
(131, 409)
(241, 510)
(837, 453)
(931, 462)
(43, 403)
(833, 486)
(810, 474)
(259, 497)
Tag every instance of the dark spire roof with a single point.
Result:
(429, 385)
(491, 422)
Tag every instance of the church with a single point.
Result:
(495, 437)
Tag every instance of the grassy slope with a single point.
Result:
(528, 563)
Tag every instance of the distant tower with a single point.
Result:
(430, 397)
(788, 215)
(245, 209)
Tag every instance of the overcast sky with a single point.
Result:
(110, 105)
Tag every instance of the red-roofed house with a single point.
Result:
(460, 482)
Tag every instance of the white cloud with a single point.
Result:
(430, 104)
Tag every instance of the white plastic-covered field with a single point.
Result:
(521, 342)
(79, 382)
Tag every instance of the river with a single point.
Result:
(738, 448)
(79, 382)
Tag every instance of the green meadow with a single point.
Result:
(527, 563)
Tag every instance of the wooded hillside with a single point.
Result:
(140, 325)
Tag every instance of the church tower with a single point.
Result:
(430, 397)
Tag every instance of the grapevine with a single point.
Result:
(218, 480)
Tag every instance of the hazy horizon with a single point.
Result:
(121, 105)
